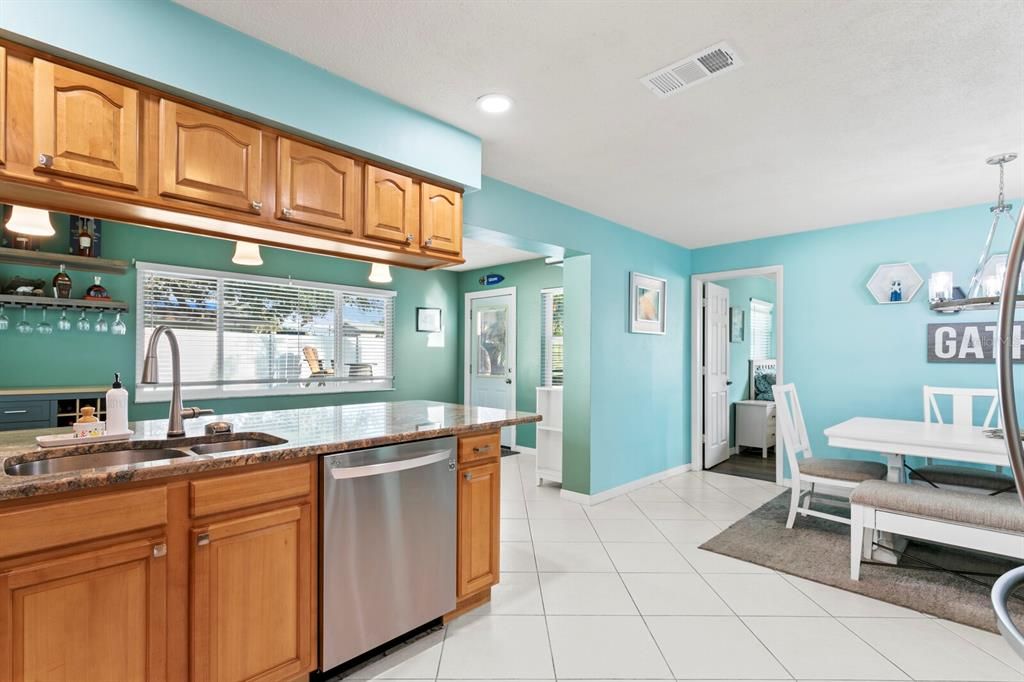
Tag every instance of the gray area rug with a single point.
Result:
(819, 550)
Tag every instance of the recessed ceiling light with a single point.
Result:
(494, 103)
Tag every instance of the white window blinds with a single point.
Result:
(552, 360)
(762, 346)
(255, 335)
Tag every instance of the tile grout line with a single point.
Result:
(536, 566)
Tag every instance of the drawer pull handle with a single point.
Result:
(15, 411)
(482, 448)
(160, 550)
(45, 160)
(203, 539)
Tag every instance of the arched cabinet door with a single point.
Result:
(317, 187)
(391, 208)
(440, 219)
(209, 159)
(85, 127)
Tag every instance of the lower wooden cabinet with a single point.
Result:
(479, 521)
(251, 587)
(95, 615)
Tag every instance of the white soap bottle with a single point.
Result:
(117, 407)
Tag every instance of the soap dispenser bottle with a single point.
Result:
(117, 407)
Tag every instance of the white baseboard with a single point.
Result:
(606, 495)
(734, 450)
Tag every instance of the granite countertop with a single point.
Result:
(309, 432)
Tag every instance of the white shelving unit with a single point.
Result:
(549, 434)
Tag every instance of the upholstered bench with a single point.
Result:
(988, 524)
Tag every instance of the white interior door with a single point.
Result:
(491, 352)
(716, 374)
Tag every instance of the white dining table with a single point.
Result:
(899, 438)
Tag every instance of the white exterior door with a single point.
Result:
(491, 352)
(716, 374)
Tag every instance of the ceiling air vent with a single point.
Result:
(703, 66)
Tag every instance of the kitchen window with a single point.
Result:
(248, 335)
(552, 357)
(762, 345)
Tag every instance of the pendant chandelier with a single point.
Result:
(986, 283)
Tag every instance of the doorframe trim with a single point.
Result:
(697, 351)
(468, 338)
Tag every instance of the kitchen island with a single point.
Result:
(205, 566)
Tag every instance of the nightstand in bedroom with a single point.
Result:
(755, 424)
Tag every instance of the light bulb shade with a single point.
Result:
(940, 287)
(380, 273)
(34, 222)
(247, 253)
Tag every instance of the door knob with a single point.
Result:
(508, 381)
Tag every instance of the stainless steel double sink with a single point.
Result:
(137, 455)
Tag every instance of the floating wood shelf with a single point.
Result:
(65, 303)
(78, 263)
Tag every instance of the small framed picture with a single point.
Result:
(428, 319)
(736, 325)
(647, 304)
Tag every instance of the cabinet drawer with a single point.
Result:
(27, 411)
(484, 446)
(239, 491)
(65, 522)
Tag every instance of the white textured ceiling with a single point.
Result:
(844, 111)
(480, 254)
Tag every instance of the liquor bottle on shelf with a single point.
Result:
(97, 292)
(84, 238)
(62, 284)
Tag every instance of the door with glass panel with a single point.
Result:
(491, 352)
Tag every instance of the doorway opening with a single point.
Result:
(737, 358)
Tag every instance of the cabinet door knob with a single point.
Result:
(257, 205)
(408, 238)
(429, 241)
(287, 212)
(203, 539)
(468, 476)
(160, 550)
(45, 160)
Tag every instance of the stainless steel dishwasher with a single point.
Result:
(388, 550)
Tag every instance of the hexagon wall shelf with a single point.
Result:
(881, 283)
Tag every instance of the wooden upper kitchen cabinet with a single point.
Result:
(479, 496)
(93, 615)
(390, 207)
(210, 159)
(440, 219)
(317, 187)
(84, 126)
(252, 590)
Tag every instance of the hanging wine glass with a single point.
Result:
(101, 324)
(119, 328)
(44, 327)
(83, 323)
(4, 320)
(64, 324)
(24, 327)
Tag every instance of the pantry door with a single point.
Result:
(490, 378)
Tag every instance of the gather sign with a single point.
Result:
(969, 342)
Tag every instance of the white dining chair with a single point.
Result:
(956, 477)
(805, 469)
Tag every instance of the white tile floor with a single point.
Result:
(621, 591)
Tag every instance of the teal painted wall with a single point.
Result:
(528, 277)
(847, 355)
(167, 44)
(638, 393)
(88, 358)
(741, 290)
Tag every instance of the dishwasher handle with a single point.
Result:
(342, 473)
